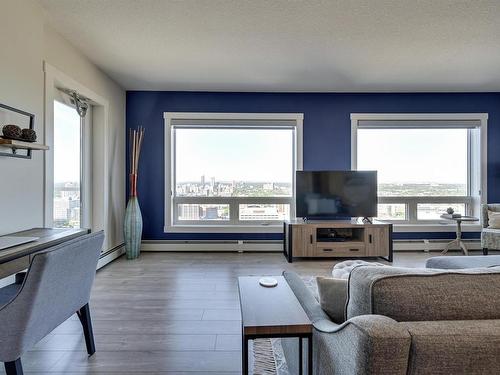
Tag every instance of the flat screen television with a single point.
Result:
(336, 194)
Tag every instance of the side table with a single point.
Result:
(458, 241)
(272, 312)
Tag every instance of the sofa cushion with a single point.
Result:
(493, 220)
(454, 347)
(406, 294)
(333, 297)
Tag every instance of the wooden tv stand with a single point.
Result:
(337, 239)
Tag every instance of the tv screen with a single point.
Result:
(336, 194)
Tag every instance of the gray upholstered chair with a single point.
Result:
(57, 285)
(490, 238)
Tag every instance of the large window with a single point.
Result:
(67, 167)
(425, 165)
(231, 170)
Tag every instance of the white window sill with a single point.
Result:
(258, 228)
(435, 227)
(278, 228)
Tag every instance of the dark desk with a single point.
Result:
(17, 258)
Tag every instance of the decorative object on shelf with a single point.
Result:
(28, 135)
(18, 133)
(12, 132)
(15, 132)
(133, 218)
(450, 210)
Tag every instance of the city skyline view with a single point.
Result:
(195, 188)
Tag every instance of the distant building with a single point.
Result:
(61, 209)
(260, 212)
(211, 213)
(190, 212)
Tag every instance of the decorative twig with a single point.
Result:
(136, 137)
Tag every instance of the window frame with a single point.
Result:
(476, 168)
(233, 224)
(85, 159)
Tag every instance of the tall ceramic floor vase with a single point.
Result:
(133, 226)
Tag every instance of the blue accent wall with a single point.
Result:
(327, 136)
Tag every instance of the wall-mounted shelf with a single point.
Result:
(21, 145)
(15, 144)
(13, 116)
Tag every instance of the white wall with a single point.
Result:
(21, 86)
(27, 41)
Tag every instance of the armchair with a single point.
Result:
(490, 238)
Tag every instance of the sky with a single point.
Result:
(263, 155)
(414, 155)
(66, 143)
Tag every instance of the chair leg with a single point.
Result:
(84, 315)
(485, 251)
(14, 367)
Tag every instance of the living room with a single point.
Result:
(263, 187)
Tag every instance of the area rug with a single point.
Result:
(267, 358)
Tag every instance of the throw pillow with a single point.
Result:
(493, 220)
(333, 297)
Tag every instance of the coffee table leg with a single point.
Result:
(244, 355)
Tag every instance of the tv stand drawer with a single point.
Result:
(345, 249)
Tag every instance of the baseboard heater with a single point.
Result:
(431, 245)
(110, 255)
(277, 245)
(215, 245)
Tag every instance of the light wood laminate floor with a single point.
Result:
(168, 313)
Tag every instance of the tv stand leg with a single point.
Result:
(388, 259)
(287, 242)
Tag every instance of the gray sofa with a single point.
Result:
(406, 321)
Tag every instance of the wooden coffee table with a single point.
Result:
(272, 312)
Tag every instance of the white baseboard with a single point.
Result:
(277, 246)
(211, 246)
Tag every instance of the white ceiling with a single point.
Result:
(288, 45)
